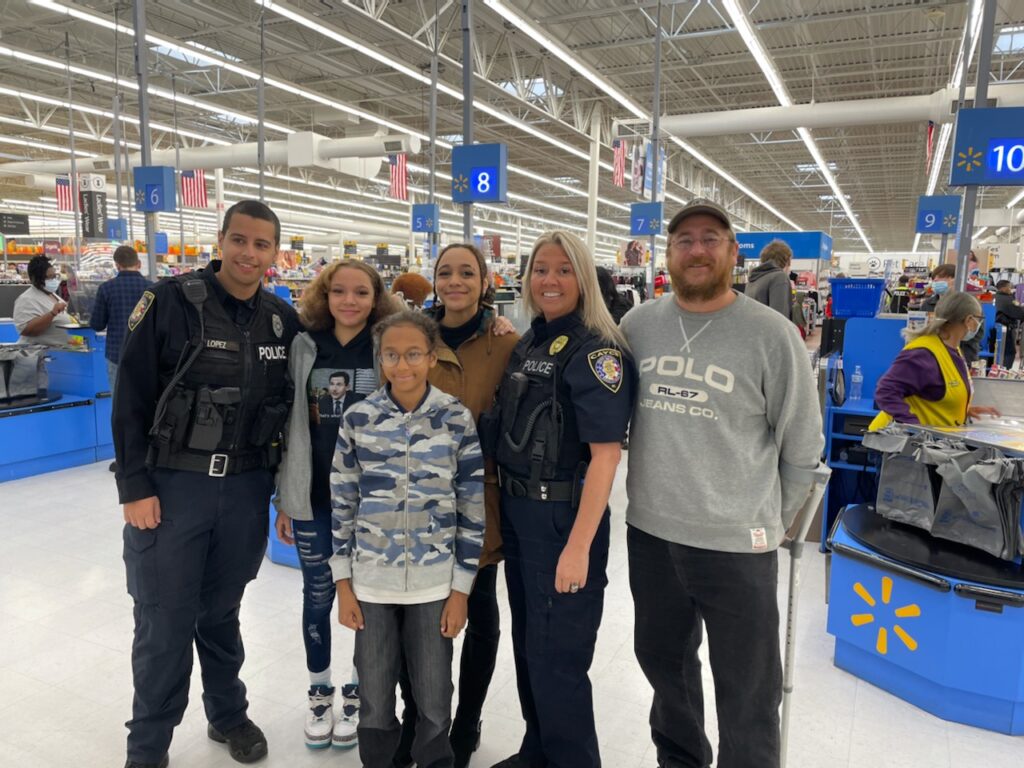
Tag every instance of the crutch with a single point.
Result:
(804, 518)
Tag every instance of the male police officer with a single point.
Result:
(199, 408)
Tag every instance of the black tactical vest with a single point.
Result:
(538, 438)
(233, 399)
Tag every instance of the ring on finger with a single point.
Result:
(574, 588)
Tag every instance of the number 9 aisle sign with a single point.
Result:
(988, 148)
(480, 173)
(938, 214)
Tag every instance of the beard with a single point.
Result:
(717, 281)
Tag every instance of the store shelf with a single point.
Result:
(855, 467)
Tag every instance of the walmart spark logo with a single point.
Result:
(969, 160)
(950, 220)
(461, 183)
(903, 612)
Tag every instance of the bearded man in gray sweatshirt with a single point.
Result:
(724, 436)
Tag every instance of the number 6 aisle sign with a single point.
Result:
(154, 189)
(938, 214)
(988, 148)
(480, 173)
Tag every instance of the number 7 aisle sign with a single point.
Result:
(938, 214)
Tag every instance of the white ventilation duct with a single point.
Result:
(937, 107)
(361, 156)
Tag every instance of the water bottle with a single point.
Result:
(856, 384)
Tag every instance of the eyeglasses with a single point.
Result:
(686, 244)
(413, 357)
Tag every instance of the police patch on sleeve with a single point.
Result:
(145, 302)
(606, 365)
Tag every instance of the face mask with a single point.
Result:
(52, 284)
(971, 334)
(940, 288)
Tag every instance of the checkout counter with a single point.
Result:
(928, 615)
(67, 426)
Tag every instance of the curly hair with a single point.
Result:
(38, 266)
(487, 290)
(314, 310)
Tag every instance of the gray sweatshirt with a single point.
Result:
(725, 427)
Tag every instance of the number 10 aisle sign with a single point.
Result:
(988, 148)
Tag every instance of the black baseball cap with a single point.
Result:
(696, 206)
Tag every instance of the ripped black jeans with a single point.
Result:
(313, 540)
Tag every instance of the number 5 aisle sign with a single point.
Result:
(480, 173)
(938, 214)
(988, 148)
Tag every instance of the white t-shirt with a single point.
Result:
(30, 305)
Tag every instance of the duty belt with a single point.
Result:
(215, 464)
(543, 490)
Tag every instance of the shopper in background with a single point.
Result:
(564, 405)
(114, 302)
(1010, 314)
(413, 288)
(725, 383)
(407, 493)
(944, 281)
(198, 419)
(768, 282)
(929, 381)
(38, 312)
(617, 303)
(332, 366)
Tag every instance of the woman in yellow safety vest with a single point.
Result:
(928, 382)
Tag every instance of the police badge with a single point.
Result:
(275, 321)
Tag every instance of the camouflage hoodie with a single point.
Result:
(407, 495)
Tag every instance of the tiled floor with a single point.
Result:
(65, 634)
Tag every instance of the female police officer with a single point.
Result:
(563, 407)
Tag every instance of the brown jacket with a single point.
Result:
(472, 373)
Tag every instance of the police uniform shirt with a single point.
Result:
(600, 379)
(159, 332)
(355, 359)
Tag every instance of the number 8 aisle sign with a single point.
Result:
(480, 173)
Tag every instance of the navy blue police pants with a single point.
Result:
(187, 577)
(553, 635)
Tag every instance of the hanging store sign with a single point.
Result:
(988, 148)
(94, 214)
(938, 214)
(426, 218)
(154, 189)
(805, 245)
(350, 247)
(117, 229)
(645, 219)
(14, 223)
(480, 173)
(298, 243)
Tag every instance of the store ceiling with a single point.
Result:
(832, 50)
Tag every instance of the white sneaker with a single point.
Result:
(320, 717)
(345, 736)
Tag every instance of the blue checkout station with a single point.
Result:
(69, 428)
(935, 622)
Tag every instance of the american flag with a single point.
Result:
(64, 201)
(193, 189)
(619, 172)
(399, 188)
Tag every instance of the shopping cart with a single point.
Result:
(796, 548)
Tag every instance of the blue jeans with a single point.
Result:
(315, 546)
(412, 632)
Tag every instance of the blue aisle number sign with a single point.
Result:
(645, 219)
(988, 148)
(480, 173)
(938, 214)
(154, 189)
(426, 218)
